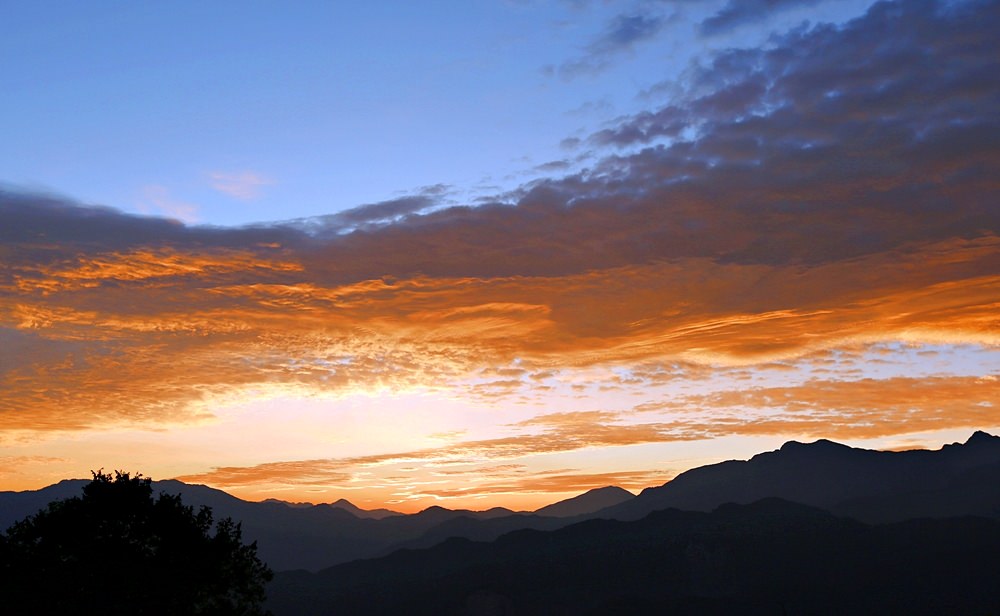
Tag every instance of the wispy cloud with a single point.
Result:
(621, 35)
(736, 13)
(849, 409)
(859, 409)
(548, 434)
(242, 185)
(157, 200)
(382, 212)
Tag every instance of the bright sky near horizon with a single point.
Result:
(491, 253)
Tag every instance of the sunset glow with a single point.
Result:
(792, 232)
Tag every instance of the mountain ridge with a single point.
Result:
(588, 502)
(868, 485)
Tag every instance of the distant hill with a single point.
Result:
(550, 517)
(588, 502)
(346, 505)
(15, 506)
(768, 557)
(872, 486)
(373, 514)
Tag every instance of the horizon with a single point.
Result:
(492, 255)
(572, 496)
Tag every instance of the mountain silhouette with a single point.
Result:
(767, 557)
(15, 506)
(588, 502)
(550, 517)
(872, 486)
(374, 514)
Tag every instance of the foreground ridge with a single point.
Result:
(767, 557)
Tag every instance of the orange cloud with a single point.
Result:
(143, 265)
(560, 432)
(861, 409)
(146, 334)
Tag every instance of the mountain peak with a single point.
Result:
(375, 514)
(819, 445)
(588, 502)
(982, 438)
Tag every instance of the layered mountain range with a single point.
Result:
(868, 487)
(720, 538)
(768, 557)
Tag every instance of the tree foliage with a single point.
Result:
(119, 550)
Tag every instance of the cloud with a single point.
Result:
(562, 432)
(625, 31)
(242, 185)
(836, 189)
(157, 199)
(844, 410)
(621, 35)
(553, 166)
(859, 409)
(368, 214)
(570, 143)
(371, 215)
(739, 12)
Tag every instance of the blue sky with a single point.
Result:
(228, 113)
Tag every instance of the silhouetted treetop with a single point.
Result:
(119, 550)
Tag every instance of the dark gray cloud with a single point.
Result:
(553, 166)
(383, 211)
(878, 132)
(621, 35)
(373, 214)
(835, 141)
(570, 143)
(739, 12)
(38, 228)
(626, 30)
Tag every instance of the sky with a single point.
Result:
(479, 254)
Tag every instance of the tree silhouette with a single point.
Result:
(119, 550)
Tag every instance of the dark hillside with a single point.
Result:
(769, 557)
